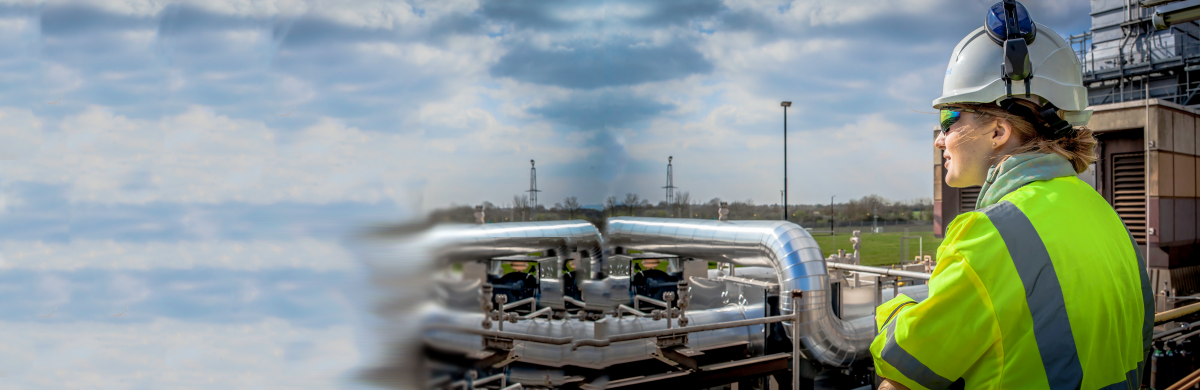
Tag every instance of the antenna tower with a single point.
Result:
(670, 182)
(532, 191)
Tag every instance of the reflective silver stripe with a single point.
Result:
(909, 365)
(1131, 381)
(1043, 294)
(1147, 306)
(1147, 296)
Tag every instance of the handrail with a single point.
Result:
(574, 301)
(1155, 3)
(881, 271)
(677, 331)
(510, 306)
(1187, 381)
(502, 334)
(1166, 333)
(1169, 315)
(545, 311)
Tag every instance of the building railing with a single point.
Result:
(1122, 73)
(1179, 93)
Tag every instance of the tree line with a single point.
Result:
(867, 208)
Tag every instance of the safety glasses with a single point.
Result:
(949, 117)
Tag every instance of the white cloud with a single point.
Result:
(53, 290)
(140, 8)
(127, 289)
(12, 27)
(271, 354)
(20, 133)
(199, 156)
(840, 12)
(226, 254)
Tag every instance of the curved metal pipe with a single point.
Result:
(400, 261)
(784, 246)
(459, 243)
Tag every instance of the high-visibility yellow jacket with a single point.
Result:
(1043, 290)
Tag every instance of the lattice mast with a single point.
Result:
(533, 202)
(670, 182)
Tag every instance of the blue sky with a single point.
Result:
(203, 162)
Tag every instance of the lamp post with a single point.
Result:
(785, 106)
(831, 213)
(875, 225)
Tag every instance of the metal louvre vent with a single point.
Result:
(968, 197)
(1129, 192)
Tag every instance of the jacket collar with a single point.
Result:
(1018, 170)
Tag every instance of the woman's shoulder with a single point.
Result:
(971, 237)
(965, 225)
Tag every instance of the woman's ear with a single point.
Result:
(1001, 135)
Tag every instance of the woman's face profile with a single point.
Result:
(966, 150)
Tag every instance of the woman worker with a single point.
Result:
(1042, 286)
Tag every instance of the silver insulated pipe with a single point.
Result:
(784, 246)
(401, 261)
(459, 243)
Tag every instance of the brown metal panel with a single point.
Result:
(937, 183)
(939, 190)
(1184, 133)
(1166, 220)
(1163, 119)
(1160, 174)
(1104, 121)
(937, 153)
(1185, 176)
(939, 230)
(949, 204)
(1127, 191)
(1152, 215)
(1185, 220)
(1157, 258)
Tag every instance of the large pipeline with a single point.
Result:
(461, 243)
(784, 246)
(792, 255)
(401, 262)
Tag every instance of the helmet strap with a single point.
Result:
(1054, 128)
(1016, 65)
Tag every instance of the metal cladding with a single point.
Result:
(599, 358)
(784, 246)
(461, 243)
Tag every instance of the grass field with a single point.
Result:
(881, 248)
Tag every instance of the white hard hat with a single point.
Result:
(981, 72)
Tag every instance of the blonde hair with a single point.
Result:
(1079, 147)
